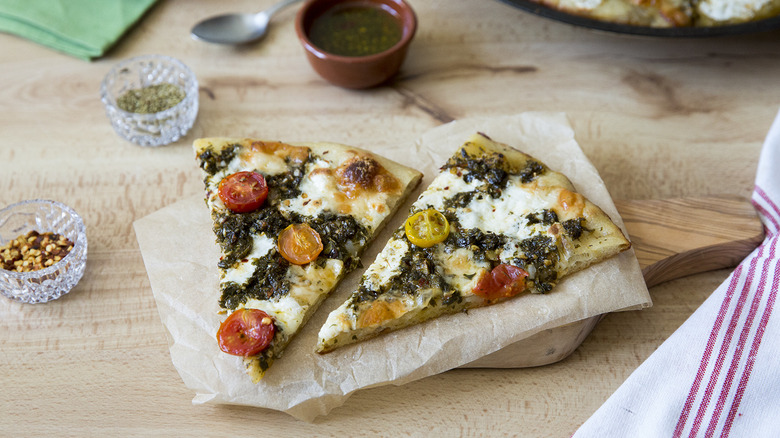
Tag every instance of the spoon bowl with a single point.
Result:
(237, 28)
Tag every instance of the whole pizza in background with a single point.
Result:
(669, 13)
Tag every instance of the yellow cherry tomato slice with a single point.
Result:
(427, 228)
(299, 244)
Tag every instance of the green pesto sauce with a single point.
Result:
(355, 31)
(342, 237)
(488, 168)
(213, 162)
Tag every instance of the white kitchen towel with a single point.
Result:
(719, 373)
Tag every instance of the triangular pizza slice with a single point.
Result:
(291, 219)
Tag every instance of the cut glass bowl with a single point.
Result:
(58, 279)
(158, 128)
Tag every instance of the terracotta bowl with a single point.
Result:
(356, 71)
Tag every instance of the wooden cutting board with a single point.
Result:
(672, 238)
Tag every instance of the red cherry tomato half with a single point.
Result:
(243, 192)
(503, 281)
(246, 332)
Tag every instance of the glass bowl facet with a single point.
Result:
(58, 279)
(158, 128)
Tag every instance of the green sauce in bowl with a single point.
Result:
(355, 30)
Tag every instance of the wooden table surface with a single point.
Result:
(658, 117)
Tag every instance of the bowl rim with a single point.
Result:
(78, 244)
(406, 37)
(189, 97)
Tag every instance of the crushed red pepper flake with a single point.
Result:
(34, 251)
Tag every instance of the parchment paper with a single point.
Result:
(180, 254)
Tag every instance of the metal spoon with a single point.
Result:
(237, 28)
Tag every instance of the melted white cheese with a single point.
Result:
(267, 164)
(445, 186)
(320, 192)
(311, 281)
(506, 214)
(459, 267)
(386, 265)
(339, 321)
(725, 10)
(316, 192)
(580, 4)
(261, 246)
(286, 311)
(503, 215)
(307, 288)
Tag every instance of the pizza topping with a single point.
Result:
(417, 270)
(285, 185)
(503, 281)
(484, 245)
(380, 311)
(427, 228)
(342, 236)
(571, 203)
(364, 173)
(531, 170)
(300, 244)
(292, 155)
(544, 217)
(358, 171)
(540, 258)
(269, 279)
(490, 168)
(573, 227)
(246, 332)
(243, 192)
(212, 162)
(460, 200)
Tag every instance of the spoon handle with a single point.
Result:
(278, 6)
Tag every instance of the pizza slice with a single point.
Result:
(290, 220)
(493, 224)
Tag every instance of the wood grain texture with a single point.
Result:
(659, 119)
(679, 237)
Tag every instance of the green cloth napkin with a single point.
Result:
(82, 28)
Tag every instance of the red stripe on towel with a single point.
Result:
(751, 359)
(743, 338)
(728, 336)
(735, 279)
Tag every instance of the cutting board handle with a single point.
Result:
(672, 238)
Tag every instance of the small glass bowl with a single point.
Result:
(58, 279)
(158, 128)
